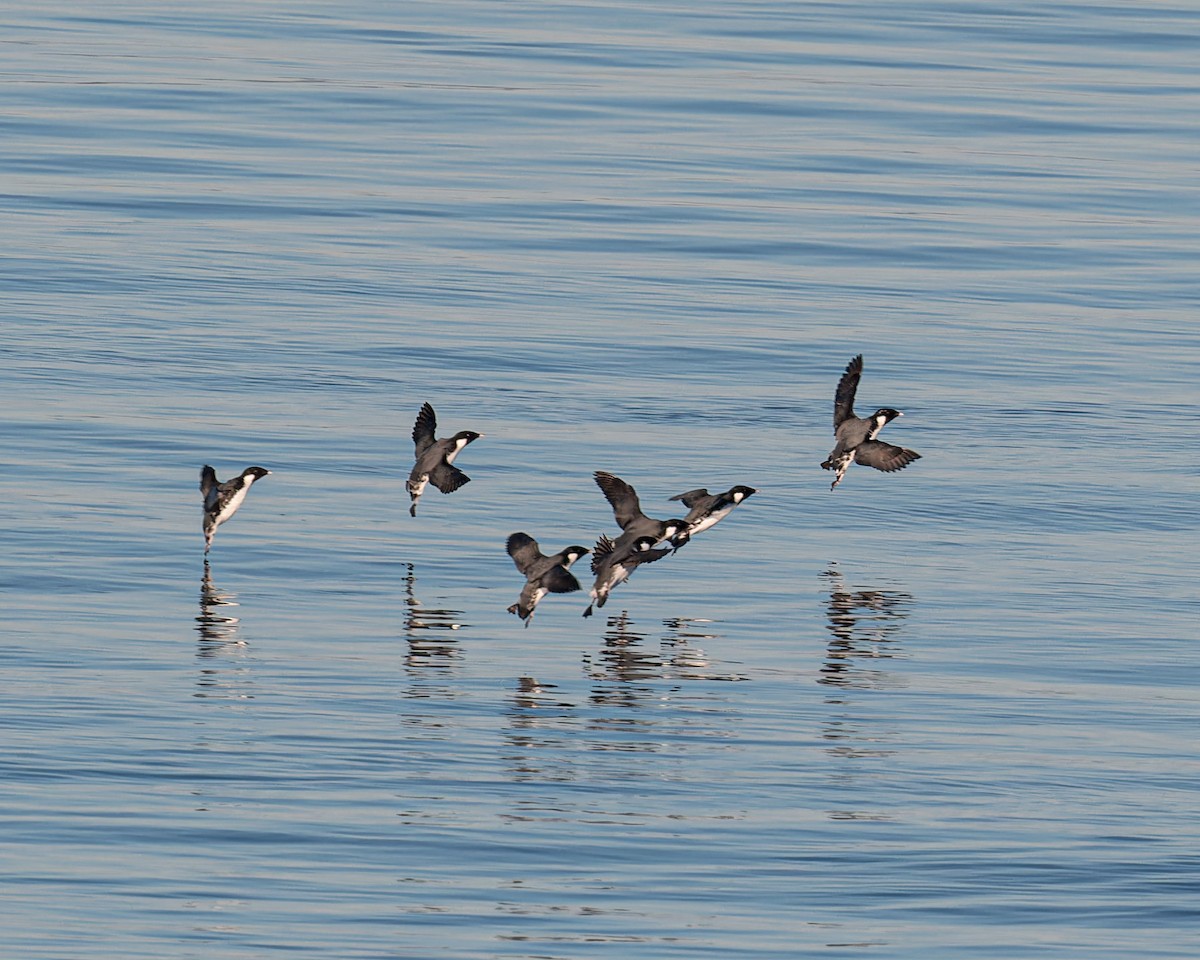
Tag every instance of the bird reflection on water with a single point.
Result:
(426, 629)
(540, 739)
(220, 641)
(642, 698)
(623, 658)
(213, 625)
(626, 660)
(863, 627)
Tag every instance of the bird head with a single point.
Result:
(571, 554)
(462, 438)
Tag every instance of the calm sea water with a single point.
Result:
(945, 713)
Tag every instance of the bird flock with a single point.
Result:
(642, 539)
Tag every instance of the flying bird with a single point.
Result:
(628, 513)
(856, 441)
(614, 562)
(435, 458)
(221, 500)
(708, 509)
(543, 574)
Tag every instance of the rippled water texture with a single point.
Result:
(949, 712)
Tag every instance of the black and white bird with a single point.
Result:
(628, 513)
(435, 458)
(856, 441)
(221, 500)
(613, 562)
(708, 509)
(543, 574)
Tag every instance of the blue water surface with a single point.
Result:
(940, 714)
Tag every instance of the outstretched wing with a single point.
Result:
(621, 496)
(424, 429)
(524, 551)
(447, 477)
(692, 497)
(884, 456)
(843, 399)
(208, 484)
(560, 580)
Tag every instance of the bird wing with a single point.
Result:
(524, 551)
(884, 456)
(447, 477)
(424, 429)
(692, 497)
(208, 481)
(635, 560)
(601, 552)
(843, 399)
(621, 496)
(560, 580)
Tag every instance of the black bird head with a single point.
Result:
(464, 437)
(887, 414)
(571, 554)
(739, 493)
(255, 473)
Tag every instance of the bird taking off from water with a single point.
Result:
(221, 500)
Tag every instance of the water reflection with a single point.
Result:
(224, 673)
(429, 630)
(625, 657)
(213, 624)
(641, 698)
(626, 666)
(863, 626)
(432, 661)
(540, 738)
(680, 643)
(532, 695)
